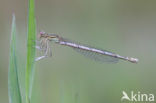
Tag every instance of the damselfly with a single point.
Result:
(93, 53)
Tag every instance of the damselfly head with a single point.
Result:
(41, 34)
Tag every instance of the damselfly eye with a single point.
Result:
(42, 33)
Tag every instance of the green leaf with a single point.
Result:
(13, 80)
(31, 38)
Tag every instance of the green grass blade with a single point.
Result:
(31, 38)
(13, 80)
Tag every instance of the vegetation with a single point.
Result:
(15, 94)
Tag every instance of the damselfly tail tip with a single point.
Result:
(133, 60)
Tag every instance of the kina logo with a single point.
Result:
(137, 97)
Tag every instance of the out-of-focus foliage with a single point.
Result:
(13, 77)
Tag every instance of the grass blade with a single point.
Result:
(13, 80)
(31, 38)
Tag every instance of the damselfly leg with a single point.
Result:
(45, 49)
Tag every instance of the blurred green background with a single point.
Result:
(126, 27)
